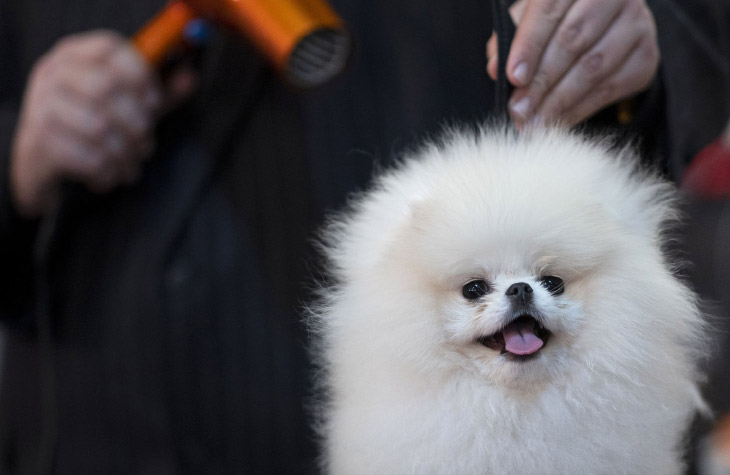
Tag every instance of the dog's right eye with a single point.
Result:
(553, 284)
(474, 289)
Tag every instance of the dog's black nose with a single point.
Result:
(520, 292)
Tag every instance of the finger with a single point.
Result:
(117, 127)
(584, 24)
(74, 115)
(98, 106)
(130, 116)
(81, 161)
(100, 91)
(74, 157)
(516, 11)
(120, 71)
(102, 137)
(77, 62)
(492, 58)
(94, 45)
(123, 158)
(539, 20)
(135, 75)
(614, 88)
(90, 84)
(605, 57)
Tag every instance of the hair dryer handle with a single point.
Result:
(163, 32)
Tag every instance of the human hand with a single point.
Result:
(88, 114)
(571, 58)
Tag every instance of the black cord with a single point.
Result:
(46, 347)
(505, 30)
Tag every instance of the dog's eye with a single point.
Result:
(474, 289)
(553, 284)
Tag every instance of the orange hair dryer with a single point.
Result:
(304, 40)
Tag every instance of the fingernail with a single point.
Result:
(521, 108)
(520, 73)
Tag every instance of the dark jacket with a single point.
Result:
(174, 303)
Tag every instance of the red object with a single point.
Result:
(708, 176)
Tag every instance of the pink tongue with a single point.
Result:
(520, 338)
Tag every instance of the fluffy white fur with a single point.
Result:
(410, 390)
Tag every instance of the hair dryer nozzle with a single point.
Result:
(317, 57)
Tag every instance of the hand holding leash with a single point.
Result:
(572, 58)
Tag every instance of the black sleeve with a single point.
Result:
(16, 234)
(694, 40)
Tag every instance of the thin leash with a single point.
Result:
(504, 28)
(48, 436)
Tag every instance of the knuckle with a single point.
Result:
(540, 82)
(67, 45)
(131, 70)
(572, 38)
(105, 41)
(556, 107)
(99, 124)
(552, 11)
(593, 66)
(101, 85)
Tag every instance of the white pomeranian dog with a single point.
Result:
(501, 304)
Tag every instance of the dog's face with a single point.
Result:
(522, 264)
(510, 282)
(518, 273)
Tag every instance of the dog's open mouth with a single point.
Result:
(522, 338)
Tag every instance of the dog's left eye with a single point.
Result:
(553, 284)
(474, 289)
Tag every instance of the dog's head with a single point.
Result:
(517, 260)
(509, 269)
